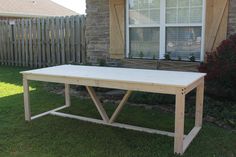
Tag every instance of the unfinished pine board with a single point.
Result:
(156, 81)
(67, 95)
(26, 100)
(152, 77)
(199, 104)
(179, 122)
(120, 106)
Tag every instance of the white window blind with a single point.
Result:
(143, 12)
(183, 11)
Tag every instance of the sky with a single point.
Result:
(78, 6)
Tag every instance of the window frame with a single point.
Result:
(162, 26)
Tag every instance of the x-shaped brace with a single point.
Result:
(100, 108)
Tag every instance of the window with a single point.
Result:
(155, 27)
(144, 32)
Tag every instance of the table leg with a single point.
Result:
(26, 100)
(67, 95)
(199, 105)
(98, 104)
(179, 123)
(120, 106)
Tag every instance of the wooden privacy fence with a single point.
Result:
(41, 42)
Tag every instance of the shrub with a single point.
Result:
(167, 56)
(221, 70)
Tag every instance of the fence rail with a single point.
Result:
(41, 42)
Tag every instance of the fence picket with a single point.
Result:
(57, 40)
(77, 39)
(10, 30)
(1, 43)
(39, 50)
(62, 38)
(67, 40)
(34, 43)
(72, 38)
(47, 36)
(23, 42)
(83, 40)
(43, 42)
(52, 32)
(30, 44)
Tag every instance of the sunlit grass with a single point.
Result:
(7, 89)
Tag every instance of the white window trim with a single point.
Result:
(163, 26)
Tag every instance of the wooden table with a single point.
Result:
(155, 81)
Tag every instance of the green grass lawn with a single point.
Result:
(52, 136)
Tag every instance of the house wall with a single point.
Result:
(97, 30)
(98, 36)
(232, 18)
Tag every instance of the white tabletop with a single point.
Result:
(159, 77)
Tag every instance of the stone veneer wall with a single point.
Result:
(97, 30)
(232, 17)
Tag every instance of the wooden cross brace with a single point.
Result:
(100, 108)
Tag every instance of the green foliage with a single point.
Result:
(102, 62)
(130, 55)
(141, 55)
(151, 99)
(167, 56)
(192, 58)
(154, 57)
(179, 58)
(221, 70)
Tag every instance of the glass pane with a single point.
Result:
(182, 42)
(196, 15)
(133, 4)
(183, 15)
(171, 15)
(144, 12)
(154, 3)
(171, 3)
(196, 2)
(144, 43)
(154, 16)
(185, 11)
(183, 3)
(143, 4)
